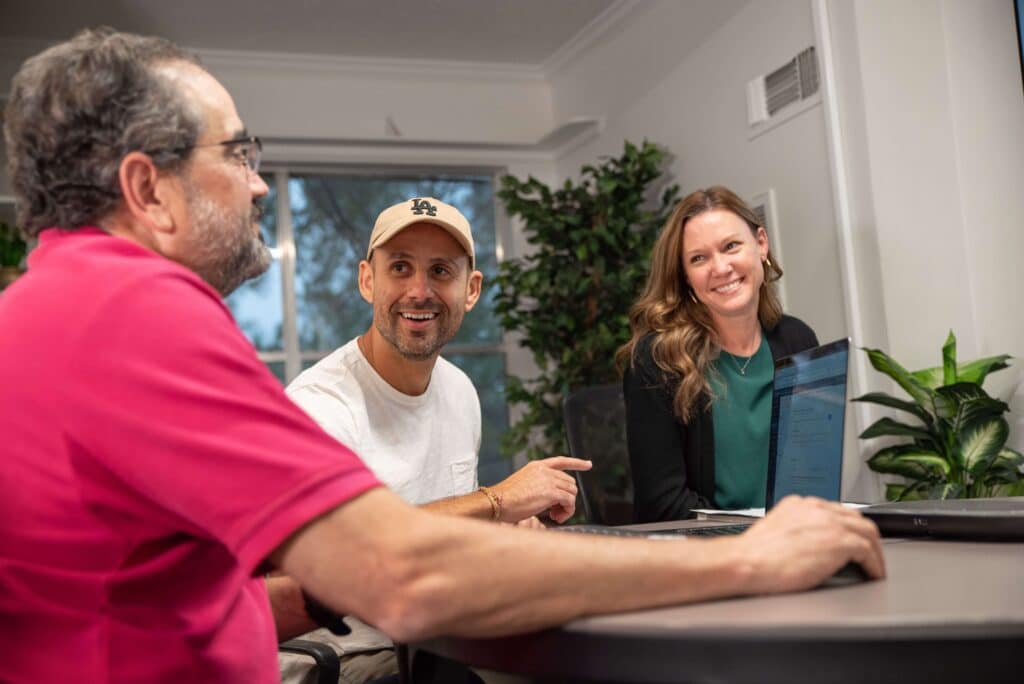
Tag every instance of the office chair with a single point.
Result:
(595, 425)
(327, 663)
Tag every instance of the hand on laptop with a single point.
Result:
(540, 486)
(804, 540)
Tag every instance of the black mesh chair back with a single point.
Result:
(595, 425)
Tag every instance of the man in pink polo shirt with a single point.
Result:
(153, 469)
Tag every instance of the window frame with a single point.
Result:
(284, 250)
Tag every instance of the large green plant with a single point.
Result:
(957, 447)
(569, 298)
(12, 246)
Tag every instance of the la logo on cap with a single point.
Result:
(422, 206)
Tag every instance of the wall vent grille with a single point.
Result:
(793, 82)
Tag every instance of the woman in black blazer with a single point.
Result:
(699, 366)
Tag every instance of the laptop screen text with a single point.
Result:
(808, 405)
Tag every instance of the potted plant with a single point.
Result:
(12, 252)
(569, 299)
(957, 445)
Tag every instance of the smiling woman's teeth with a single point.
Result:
(726, 289)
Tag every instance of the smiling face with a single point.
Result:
(220, 208)
(420, 286)
(722, 259)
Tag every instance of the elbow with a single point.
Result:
(413, 598)
(412, 610)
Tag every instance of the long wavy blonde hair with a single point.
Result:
(685, 340)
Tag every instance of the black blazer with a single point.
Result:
(673, 464)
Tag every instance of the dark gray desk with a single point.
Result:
(948, 611)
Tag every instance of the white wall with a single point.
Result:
(937, 126)
(696, 108)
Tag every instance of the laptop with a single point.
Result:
(805, 448)
(1000, 519)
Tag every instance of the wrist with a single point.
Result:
(494, 498)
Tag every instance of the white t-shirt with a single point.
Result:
(424, 447)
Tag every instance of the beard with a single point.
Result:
(416, 345)
(222, 248)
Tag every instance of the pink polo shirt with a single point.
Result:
(149, 464)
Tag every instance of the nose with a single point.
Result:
(720, 264)
(419, 289)
(257, 186)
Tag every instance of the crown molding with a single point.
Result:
(556, 143)
(13, 47)
(597, 28)
(370, 66)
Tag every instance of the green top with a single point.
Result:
(742, 413)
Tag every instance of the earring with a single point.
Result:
(693, 297)
(768, 262)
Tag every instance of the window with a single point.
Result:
(318, 225)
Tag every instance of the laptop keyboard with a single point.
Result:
(708, 531)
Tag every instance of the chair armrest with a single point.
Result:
(328, 665)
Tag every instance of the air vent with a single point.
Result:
(794, 81)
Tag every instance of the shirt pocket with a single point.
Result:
(463, 476)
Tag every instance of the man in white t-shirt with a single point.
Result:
(410, 415)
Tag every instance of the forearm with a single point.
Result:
(487, 583)
(472, 505)
(415, 574)
(288, 607)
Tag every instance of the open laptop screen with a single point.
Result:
(808, 409)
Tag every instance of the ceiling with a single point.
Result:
(523, 32)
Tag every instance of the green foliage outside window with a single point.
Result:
(569, 299)
(12, 246)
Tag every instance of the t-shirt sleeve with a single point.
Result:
(329, 409)
(176, 427)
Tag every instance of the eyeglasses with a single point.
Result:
(248, 150)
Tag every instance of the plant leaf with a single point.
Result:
(949, 360)
(892, 402)
(980, 441)
(946, 490)
(884, 364)
(889, 427)
(1008, 489)
(893, 491)
(977, 370)
(929, 377)
(916, 491)
(965, 402)
(946, 401)
(978, 409)
(1005, 467)
(910, 461)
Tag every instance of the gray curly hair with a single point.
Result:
(76, 110)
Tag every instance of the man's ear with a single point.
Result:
(148, 194)
(476, 279)
(366, 280)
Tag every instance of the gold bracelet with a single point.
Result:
(495, 502)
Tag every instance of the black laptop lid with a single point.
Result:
(805, 450)
(999, 519)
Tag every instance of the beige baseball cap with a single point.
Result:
(395, 219)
